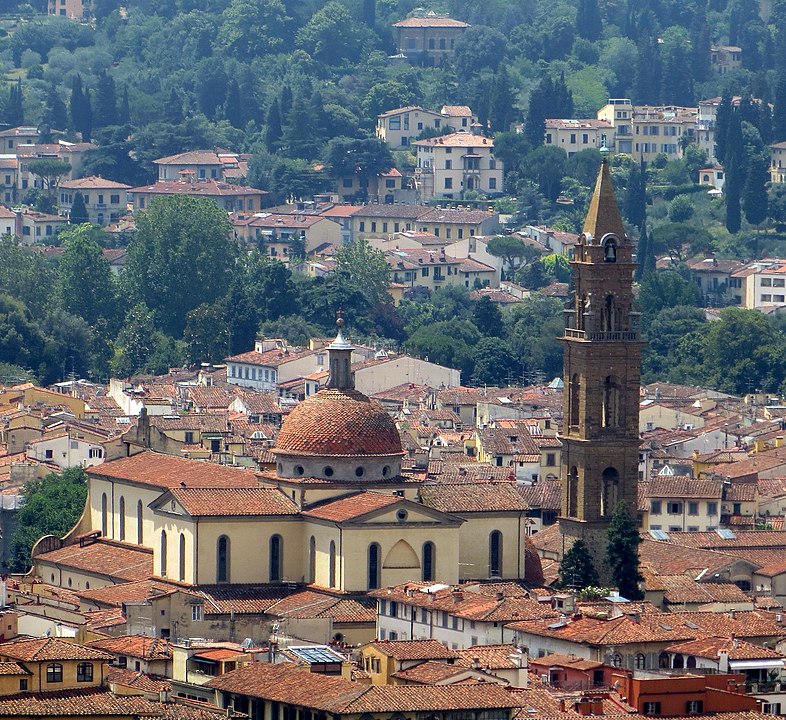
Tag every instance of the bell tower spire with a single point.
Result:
(602, 367)
(340, 375)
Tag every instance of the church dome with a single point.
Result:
(338, 422)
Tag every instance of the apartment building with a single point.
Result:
(725, 58)
(778, 162)
(573, 136)
(760, 285)
(679, 503)
(399, 127)
(427, 38)
(450, 165)
(105, 200)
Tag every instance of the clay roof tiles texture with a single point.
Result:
(342, 423)
(76, 703)
(710, 647)
(206, 502)
(351, 506)
(429, 672)
(138, 646)
(169, 471)
(492, 657)
(122, 561)
(49, 649)
(481, 497)
(414, 649)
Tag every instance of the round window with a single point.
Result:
(299, 470)
(401, 515)
(359, 471)
(328, 471)
(386, 471)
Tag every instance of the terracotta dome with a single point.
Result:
(338, 422)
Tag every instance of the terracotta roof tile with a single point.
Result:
(352, 506)
(710, 647)
(480, 497)
(432, 698)
(313, 604)
(122, 561)
(169, 471)
(414, 649)
(430, 22)
(13, 668)
(674, 486)
(490, 657)
(74, 703)
(47, 649)
(203, 502)
(339, 423)
(138, 646)
(137, 591)
(240, 599)
(138, 680)
(429, 672)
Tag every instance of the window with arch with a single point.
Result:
(609, 495)
(663, 660)
(312, 559)
(581, 311)
(495, 554)
(139, 519)
(690, 662)
(575, 389)
(182, 569)
(616, 660)
(573, 492)
(276, 557)
(121, 510)
(373, 566)
(609, 320)
(610, 412)
(84, 672)
(222, 559)
(640, 661)
(104, 515)
(332, 564)
(163, 553)
(54, 673)
(610, 249)
(428, 561)
(678, 662)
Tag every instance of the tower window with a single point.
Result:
(428, 562)
(495, 554)
(610, 250)
(611, 403)
(222, 559)
(609, 491)
(276, 557)
(373, 566)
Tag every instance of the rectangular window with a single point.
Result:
(655, 507)
(54, 673)
(652, 708)
(84, 672)
(393, 609)
(693, 508)
(373, 226)
(778, 282)
(362, 227)
(424, 272)
(777, 298)
(394, 123)
(573, 138)
(448, 183)
(448, 164)
(23, 684)
(674, 508)
(766, 298)
(693, 707)
(712, 508)
(551, 459)
(492, 183)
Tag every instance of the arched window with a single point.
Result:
(222, 559)
(182, 573)
(84, 672)
(276, 555)
(640, 661)
(139, 522)
(610, 249)
(312, 560)
(663, 660)
(121, 510)
(104, 516)
(582, 309)
(495, 554)
(575, 389)
(428, 561)
(610, 415)
(54, 673)
(609, 321)
(679, 661)
(609, 491)
(332, 562)
(573, 492)
(163, 553)
(690, 662)
(373, 566)
(616, 660)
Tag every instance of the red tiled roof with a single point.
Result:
(137, 680)
(89, 702)
(480, 497)
(48, 649)
(203, 502)
(414, 649)
(710, 647)
(209, 188)
(429, 672)
(490, 657)
(169, 471)
(430, 22)
(121, 561)
(137, 591)
(352, 506)
(138, 646)
(339, 423)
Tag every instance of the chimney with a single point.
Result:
(723, 661)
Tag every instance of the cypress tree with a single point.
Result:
(124, 112)
(641, 254)
(285, 102)
(622, 552)
(370, 13)
(588, 21)
(722, 120)
(76, 103)
(733, 189)
(233, 111)
(647, 78)
(273, 130)
(500, 102)
(651, 260)
(87, 118)
(106, 101)
(754, 198)
(779, 113)
(78, 214)
(576, 570)
(15, 115)
(636, 198)
(173, 108)
(55, 115)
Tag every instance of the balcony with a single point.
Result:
(612, 336)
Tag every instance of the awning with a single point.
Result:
(756, 664)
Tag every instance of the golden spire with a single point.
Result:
(603, 215)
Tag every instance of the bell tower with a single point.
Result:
(600, 435)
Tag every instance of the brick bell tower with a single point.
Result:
(600, 435)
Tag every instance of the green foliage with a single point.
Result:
(50, 171)
(622, 553)
(488, 318)
(182, 256)
(681, 209)
(332, 35)
(577, 568)
(206, 335)
(52, 506)
(78, 213)
(364, 269)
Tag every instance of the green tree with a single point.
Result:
(677, 55)
(273, 129)
(386, 95)
(78, 213)
(500, 113)
(588, 21)
(365, 158)
(207, 335)
(182, 256)
(105, 111)
(533, 328)
(52, 506)
(55, 114)
(449, 343)
(681, 209)
(479, 47)
(135, 342)
(51, 172)
(494, 362)
(622, 552)
(754, 193)
(364, 268)
(331, 35)
(254, 29)
(664, 290)
(577, 569)
(675, 349)
(85, 286)
(546, 166)
(14, 109)
(550, 99)
(733, 188)
(21, 340)
(511, 249)
(488, 317)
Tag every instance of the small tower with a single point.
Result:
(340, 361)
(602, 366)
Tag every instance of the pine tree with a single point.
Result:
(15, 115)
(588, 20)
(733, 190)
(173, 108)
(577, 570)
(124, 112)
(722, 120)
(701, 46)
(78, 214)
(500, 113)
(285, 102)
(636, 198)
(622, 552)
(754, 196)
(647, 80)
(76, 103)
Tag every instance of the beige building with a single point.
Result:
(778, 162)
(201, 165)
(725, 58)
(449, 165)
(105, 200)
(676, 503)
(36, 227)
(72, 153)
(760, 285)
(281, 236)
(399, 127)
(72, 9)
(573, 136)
(427, 38)
(444, 223)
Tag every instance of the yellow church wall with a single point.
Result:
(69, 577)
(474, 541)
(132, 495)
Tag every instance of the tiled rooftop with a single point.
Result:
(49, 649)
(109, 558)
(205, 502)
(414, 649)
